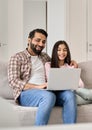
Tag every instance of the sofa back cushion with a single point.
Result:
(86, 73)
(5, 90)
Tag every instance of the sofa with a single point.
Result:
(26, 115)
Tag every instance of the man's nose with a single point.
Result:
(40, 43)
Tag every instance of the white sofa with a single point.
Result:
(87, 126)
(26, 115)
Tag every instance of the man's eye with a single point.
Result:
(43, 42)
(37, 40)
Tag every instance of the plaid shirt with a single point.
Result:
(19, 70)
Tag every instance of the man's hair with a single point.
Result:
(42, 31)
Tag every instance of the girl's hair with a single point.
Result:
(54, 57)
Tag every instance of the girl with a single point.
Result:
(61, 57)
(65, 98)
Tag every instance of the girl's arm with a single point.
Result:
(81, 84)
(47, 68)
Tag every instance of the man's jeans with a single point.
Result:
(46, 100)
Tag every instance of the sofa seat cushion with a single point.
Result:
(84, 113)
(27, 114)
(8, 117)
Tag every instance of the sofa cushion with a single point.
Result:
(82, 101)
(86, 73)
(27, 114)
(8, 117)
(5, 90)
(85, 93)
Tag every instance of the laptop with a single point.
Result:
(63, 78)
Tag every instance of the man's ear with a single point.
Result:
(29, 40)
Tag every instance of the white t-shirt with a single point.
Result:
(37, 72)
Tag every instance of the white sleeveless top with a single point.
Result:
(37, 72)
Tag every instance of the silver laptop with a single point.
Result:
(63, 78)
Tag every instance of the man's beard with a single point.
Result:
(33, 47)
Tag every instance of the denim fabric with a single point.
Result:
(42, 99)
(46, 100)
(67, 100)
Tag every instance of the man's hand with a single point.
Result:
(29, 86)
(43, 86)
(74, 63)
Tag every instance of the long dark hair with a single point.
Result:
(54, 57)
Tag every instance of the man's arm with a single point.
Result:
(29, 86)
(14, 74)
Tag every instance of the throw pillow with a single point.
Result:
(84, 93)
(81, 101)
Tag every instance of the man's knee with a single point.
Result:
(49, 97)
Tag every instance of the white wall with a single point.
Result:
(24, 15)
(17, 19)
(34, 16)
(56, 22)
(21, 16)
(3, 30)
(15, 26)
(76, 30)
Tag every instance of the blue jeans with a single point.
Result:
(46, 100)
(67, 100)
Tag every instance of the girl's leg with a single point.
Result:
(67, 100)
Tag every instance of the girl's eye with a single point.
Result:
(65, 49)
(59, 50)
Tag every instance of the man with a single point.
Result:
(26, 76)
